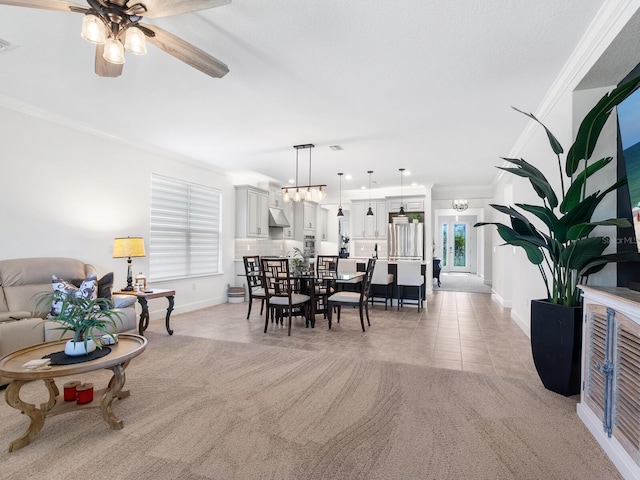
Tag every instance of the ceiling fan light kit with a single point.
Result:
(113, 51)
(113, 25)
(93, 29)
(135, 41)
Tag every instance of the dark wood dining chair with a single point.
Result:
(253, 272)
(354, 299)
(326, 268)
(281, 295)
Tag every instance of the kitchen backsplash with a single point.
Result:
(264, 247)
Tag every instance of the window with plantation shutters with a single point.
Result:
(185, 229)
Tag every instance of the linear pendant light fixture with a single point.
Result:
(370, 212)
(401, 213)
(311, 190)
(340, 213)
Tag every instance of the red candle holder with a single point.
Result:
(70, 390)
(84, 393)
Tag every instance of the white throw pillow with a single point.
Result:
(88, 289)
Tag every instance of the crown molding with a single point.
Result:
(605, 26)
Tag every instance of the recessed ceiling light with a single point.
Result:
(292, 181)
(407, 172)
(348, 176)
(414, 184)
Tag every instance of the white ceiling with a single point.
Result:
(422, 84)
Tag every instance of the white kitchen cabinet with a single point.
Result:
(411, 204)
(252, 208)
(305, 219)
(289, 211)
(324, 223)
(370, 227)
(275, 196)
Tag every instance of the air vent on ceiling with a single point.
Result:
(335, 148)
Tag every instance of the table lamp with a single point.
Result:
(126, 248)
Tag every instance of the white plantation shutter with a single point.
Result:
(185, 229)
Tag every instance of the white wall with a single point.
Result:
(516, 281)
(69, 193)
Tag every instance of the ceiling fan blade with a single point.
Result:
(164, 8)
(104, 68)
(43, 4)
(186, 52)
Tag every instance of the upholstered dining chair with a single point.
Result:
(326, 268)
(281, 295)
(253, 272)
(382, 281)
(353, 299)
(347, 266)
(409, 277)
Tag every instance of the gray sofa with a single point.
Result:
(21, 280)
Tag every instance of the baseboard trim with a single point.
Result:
(522, 323)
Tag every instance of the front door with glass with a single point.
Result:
(454, 246)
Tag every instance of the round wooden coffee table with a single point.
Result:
(128, 347)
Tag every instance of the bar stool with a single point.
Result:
(382, 279)
(409, 277)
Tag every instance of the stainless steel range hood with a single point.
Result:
(277, 218)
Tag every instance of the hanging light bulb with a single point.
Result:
(135, 41)
(286, 197)
(401, 213)
(308, 196)
(113, 51)
(370, 211)
(296, 196)
(93, 29)
(340, 213)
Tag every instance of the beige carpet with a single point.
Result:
(207, 409)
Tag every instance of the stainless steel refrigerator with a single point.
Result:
(406, 241)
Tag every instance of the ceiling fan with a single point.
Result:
(114, 25)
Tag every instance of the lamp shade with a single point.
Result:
(128, 247)
(113, 51)
(93, 29)
(135, 41)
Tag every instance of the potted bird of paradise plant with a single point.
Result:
(556, 236)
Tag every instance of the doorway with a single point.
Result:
(454, 246)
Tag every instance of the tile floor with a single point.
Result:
(456, 330)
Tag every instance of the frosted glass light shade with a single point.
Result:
(135, 41)
(93, 29)
(113, 51)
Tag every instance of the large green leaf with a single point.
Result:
(573, 195)
(539, 182)
(543, 213)
(529, 244)
(553, 141)
(581, 252)
(579, 215)
(519, 222)
(600, 262)
(584, 229)
(592, 125)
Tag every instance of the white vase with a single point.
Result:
(76, 349)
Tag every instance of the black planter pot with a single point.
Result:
(556, 345)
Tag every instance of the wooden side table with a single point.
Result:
(142, 300)
(128, 347)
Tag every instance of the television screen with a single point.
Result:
(629, 125)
